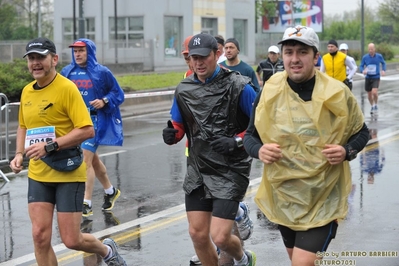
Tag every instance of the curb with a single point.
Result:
(147, 102)
(157, 100)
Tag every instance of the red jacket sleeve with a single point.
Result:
(241, 134)
(180, 128)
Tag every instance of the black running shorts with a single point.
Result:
(221, 208)
(370, 84)
(313, 240)
(68, 197)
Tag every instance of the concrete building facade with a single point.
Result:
(150, 33)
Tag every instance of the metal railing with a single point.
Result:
(6, 235)
(4, 138)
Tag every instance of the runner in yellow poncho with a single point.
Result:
(305, 127)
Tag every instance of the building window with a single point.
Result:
(130, 32)
(67, 26)
(240, 33)
(209, 25)
(173, 36)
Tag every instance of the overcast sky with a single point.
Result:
(332, 7)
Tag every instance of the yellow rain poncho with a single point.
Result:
(303, 190)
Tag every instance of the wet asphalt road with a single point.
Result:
(148, 221)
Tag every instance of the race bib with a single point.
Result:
(39, 134)
(371, 69)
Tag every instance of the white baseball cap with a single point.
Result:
(343, 46)
(273, 49)
(301, 34)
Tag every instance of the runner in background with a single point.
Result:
(269, 66)
(344, 49)
(370, 67)
(233, 62)
(186, 58)
(103, 96)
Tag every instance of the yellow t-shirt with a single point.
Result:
(67, 111)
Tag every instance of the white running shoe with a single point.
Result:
(244, 223)
(195, 260)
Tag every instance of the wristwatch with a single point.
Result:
(350, 153)
(51, 146)
(105, 100)
(239, 141)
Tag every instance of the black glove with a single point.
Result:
(346, 81)
(224, 145)
(169, 134)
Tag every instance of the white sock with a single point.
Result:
(109, 254)
(109, 190)
(240, 212)
(87, 201)
(214, 245)
(243, 261)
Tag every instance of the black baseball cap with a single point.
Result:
(202, 44)
(41, 46)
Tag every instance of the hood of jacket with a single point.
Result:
(91, 54)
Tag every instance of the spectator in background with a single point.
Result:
(334, 64)
(269, 66)
(318, 63)
(370, 67)
(220, 40)
(186, 57)
(233, 62)
(344, 49)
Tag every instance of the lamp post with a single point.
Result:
(362, 29)
(39, 18)
(116, 32)
(74, 19)
(81, 20)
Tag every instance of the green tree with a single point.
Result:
(23, 33)
(19, 20)
(388, 12)
(14, 76)
(375, 34)
(347, 26)
(7, 22)
(266, 7)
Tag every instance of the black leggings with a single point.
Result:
(313, 240)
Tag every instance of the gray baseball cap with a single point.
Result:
(301, 34)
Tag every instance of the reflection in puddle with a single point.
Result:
(372, 159)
